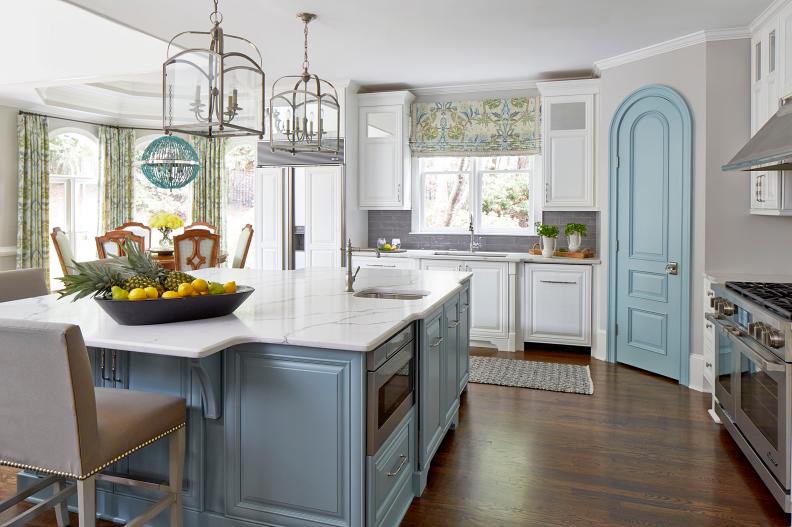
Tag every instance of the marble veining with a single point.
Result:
(307, 307)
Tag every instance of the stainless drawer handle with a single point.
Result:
(380, 265)
(399, 468)
(556, 282)
(437, 343)
(454, 323)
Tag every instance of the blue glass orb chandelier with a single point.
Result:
(170, 162)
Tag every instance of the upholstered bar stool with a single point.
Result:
(22, 283)
(54, 421)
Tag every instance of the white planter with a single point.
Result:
(548, 246)
(574, 240)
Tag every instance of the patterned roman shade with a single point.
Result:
(477, 127)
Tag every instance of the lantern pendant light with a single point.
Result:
(304, 112)
(216, 90)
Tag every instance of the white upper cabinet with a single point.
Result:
(771, 80)
(384, 151)
(568, 124)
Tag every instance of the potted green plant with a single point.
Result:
(549, 233)
(574, 233)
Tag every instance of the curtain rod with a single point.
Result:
(22, 112)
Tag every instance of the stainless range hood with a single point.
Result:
(267, 158)
(771, 148)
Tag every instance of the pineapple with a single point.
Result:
(93, 279)
(174, 278)
(141, 270)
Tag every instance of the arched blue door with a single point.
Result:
(649, 291)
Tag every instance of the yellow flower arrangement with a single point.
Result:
(165, 220)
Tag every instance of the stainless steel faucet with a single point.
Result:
(350, 277)
(473, 244)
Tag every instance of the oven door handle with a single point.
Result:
(768, 364)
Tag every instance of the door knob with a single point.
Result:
(672, 268)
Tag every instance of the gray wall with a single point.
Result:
(397, 224)
(8, 184)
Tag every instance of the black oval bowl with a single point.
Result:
(165, 310)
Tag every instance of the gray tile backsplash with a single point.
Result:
(396, 224)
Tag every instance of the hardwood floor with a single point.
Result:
(641, 451)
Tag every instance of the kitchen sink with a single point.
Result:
(391, 294)
(468, 253)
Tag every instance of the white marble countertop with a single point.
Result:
(482, 255)
(302, 308)
(719, 277)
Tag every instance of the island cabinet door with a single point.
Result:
(463, 348)
(430, 394)
(294, 435)
(450, 359)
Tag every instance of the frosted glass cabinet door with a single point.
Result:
(568, 137)
(381, 160)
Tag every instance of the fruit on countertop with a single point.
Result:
(151, 292)
(175, 278)
(170, 294)
(119, 293)
(387, 247)
(200, 285)
(230, 287)
(185, 289)
(216, 288)
(138, 294)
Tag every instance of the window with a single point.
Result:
(74, 193)
(495, 191)
(150, 199)
(240, 164)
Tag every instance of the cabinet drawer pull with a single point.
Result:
(399, 468)
(557, 282)
(381, 265)
(102, 366)
(454, 323)
(437, 343)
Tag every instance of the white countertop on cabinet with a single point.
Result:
(307, 307)
(718, 277)
(483, 256)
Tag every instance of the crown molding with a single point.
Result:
(475, 88)
(765, 15)
(682, 42)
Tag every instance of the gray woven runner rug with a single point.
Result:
(551, 376)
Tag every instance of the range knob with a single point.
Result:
(774, 338)
(723, 306)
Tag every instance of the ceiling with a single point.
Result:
(66, 58)
(414, 43)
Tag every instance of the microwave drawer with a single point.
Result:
(398, 341)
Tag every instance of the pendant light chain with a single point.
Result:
(216, 16)
(305, 59)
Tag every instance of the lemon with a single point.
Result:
(138, 294)
(151, 292)
(387, 247)
(229, 287)
(170, 294)
(200, 285)
(216, 289)
(186, 289)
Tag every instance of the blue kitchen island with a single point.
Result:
(309, 406)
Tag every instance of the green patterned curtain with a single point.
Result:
(116, 155)
(478, 127)
(209, 186)
(33, 197)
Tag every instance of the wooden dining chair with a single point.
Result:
(201, 225)
(63, 249)
(111, 244)
(138, 229)
(243, 246)
(195, 249)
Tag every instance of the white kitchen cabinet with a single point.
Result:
(323, 216)
(372, 262)
(384, 151)
(268, 231)
(493, 290)
(557, 304)
(568, 125)
(771, 78)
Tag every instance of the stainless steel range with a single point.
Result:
(753, 376)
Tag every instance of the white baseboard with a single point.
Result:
(696, 373)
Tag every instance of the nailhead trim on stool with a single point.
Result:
(94, 471)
